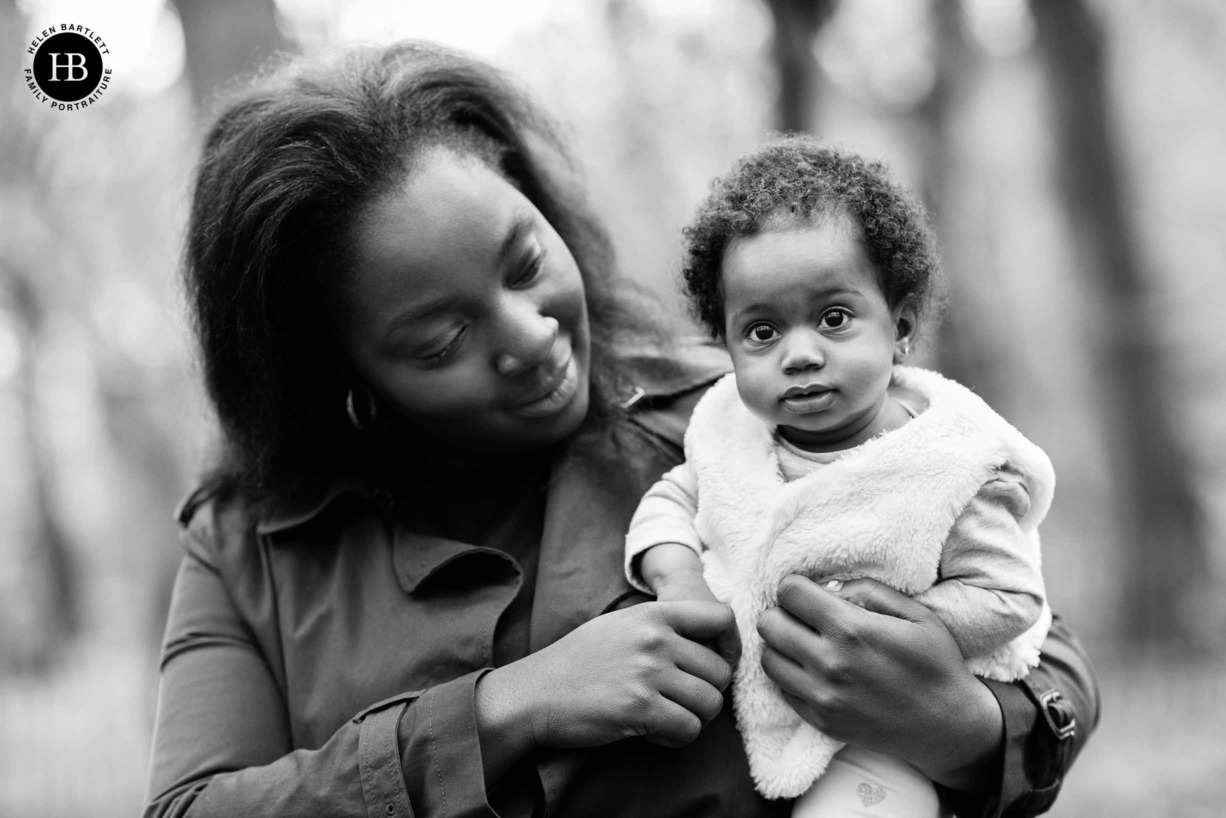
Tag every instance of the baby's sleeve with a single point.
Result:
(665, 515)
(989, 588)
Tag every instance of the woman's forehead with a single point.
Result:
(450, 223)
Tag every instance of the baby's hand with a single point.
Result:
(685, 585)
(675, 572)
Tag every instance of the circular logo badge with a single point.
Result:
(67, 67)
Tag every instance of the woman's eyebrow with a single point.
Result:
(417, 312)
(521, 223)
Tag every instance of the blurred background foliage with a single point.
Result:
(1070, 149)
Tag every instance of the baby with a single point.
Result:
(822, 455)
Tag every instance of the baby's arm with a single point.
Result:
(674, 572)
(990, 589)
(662, 546)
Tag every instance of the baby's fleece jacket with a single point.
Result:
(944, 508)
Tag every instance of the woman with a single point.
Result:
(402, 593)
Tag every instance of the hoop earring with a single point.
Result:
(362, 412)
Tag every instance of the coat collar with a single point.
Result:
(653, 376)
(587, 510)
(580, 574)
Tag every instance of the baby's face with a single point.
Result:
(810, 333)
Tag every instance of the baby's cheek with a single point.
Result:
(757, 392)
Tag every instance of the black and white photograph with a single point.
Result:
(612, 409)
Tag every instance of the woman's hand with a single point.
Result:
(640, 671)
(872, 667)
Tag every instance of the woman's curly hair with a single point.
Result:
(799, 178)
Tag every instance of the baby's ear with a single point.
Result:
(906, 328)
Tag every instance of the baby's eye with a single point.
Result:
(761, 333)
(836, 318)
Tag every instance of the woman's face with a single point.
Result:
(465, 312)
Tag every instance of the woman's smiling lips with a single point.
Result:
(555, 395)
(802, 400)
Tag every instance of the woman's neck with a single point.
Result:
(461, 492)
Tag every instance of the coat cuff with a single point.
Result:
(383, 781)
(440, 751)
(1032, 758)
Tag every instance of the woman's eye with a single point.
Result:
(438, 355)
(761, 333)
(530, 269)
(836, 318)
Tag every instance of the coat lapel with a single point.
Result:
(587, 512)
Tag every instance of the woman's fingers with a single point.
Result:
(878, 598)
(696, 619)
(785, 671)
(689, 675)
(809, 602)
(638, 671)
(670, 724)
(869, 666)
(728, 646)
(791, 636)
(847, 609)
(695, 695)
(702, 663)
(702, 623)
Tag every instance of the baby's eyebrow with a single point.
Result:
(822, 294)
(752, 309)
(830, 292)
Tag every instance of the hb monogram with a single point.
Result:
(74, 63)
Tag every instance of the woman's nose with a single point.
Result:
(527, 342)
(802, 351)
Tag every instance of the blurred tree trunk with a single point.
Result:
(54, 589)
(796, 25)
(1164, 554)
(225, 39)
(50, 590)
(970, 350)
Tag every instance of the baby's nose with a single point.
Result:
(801, 353)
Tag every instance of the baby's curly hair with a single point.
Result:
(799, 178)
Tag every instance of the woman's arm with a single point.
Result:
(223, 746)
(884, 673)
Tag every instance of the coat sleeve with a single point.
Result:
(223, 746)
(1048, 717)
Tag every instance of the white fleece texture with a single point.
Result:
(882, 511)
